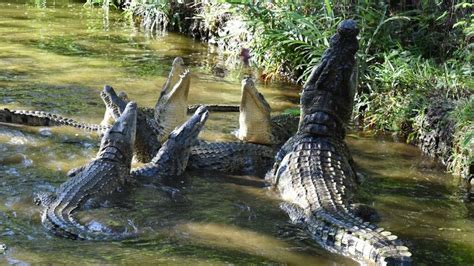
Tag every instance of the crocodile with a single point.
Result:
(313, 172)
(146, 144)
(177, 145)
(111, 171)
(256, 125)
(236, 157)
(171, 108)
(102, 176)
(261, 136)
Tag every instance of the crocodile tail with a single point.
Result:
(346, 234)
(40, 118)
(67, 227)
(316, 177)
(357, 239)
(223, 108)
(21, 117)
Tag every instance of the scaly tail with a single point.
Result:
(40, 118)
(346, 234)
(317, 180)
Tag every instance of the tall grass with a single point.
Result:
(463, 153)
(400, 86)
(280, 34)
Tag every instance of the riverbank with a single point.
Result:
(415, 76)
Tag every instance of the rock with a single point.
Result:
(437, 130)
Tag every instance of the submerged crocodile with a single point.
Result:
(313, 170)
(111, 171)
(46, 119)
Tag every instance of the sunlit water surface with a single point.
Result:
(57, 56)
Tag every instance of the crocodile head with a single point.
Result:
(114, 104)
(177, 68)
(175, 151)
(171, 108)
(254, 119)
(117, 142)
(328, 94)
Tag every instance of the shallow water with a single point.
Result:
(56, 56)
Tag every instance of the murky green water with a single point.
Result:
(57, 59)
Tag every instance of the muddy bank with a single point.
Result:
(436, 137)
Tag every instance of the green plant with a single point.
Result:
(151, 15)
(284, 40)
(103, 3)
(463, 151)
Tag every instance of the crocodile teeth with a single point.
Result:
(405, 253)
(392, 237)
(402, 248)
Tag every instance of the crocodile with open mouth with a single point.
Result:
(236, 157)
